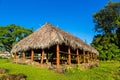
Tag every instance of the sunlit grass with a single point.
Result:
(105, 71)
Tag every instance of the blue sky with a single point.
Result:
(73, 16)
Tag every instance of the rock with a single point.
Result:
(89, 65)
(5, 54)
(3, 70)
(96, 64)
(20, 77)
(13, 77)
(60, 70)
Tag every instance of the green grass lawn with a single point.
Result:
(106, 71)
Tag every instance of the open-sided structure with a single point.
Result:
(51, 44)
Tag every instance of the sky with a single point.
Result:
(73, 16)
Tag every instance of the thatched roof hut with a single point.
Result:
(49, 35)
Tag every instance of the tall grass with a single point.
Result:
(106, 71)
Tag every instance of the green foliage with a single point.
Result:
(106, 71)
(11, 34)
(107, 24)
(106, 46)
(118, 36)
(107, 18)
(73, 70)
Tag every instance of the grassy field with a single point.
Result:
(106, 71)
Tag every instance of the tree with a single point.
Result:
(11, 34)
(107, 25)
(107, 19)
(107, 49)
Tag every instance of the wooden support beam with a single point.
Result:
(57, 55)
(23, 55)
(91, 58)
(69, 56)
(46, 58)
(15, 56)
(84, 57)
(95, 57)
(32, 55)
(78, 57)
(88, 57)
(43, 52)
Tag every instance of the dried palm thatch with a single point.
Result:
(47, 36)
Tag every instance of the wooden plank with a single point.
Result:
(37, 56)
(32, 55)
(74, 54)
(80, 54)
(64, 52)
(43, 52)
(78, 58)
(28, 57)
(59, 59)
(69, 56)
(57, 55)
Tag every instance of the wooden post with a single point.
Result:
(88, 57)
(69, 56)
(57, 56)
(42, 57)
(32, 55)
(91, 57)
(78, 59)
(95, 57)
(15, 56)
(23, 55)
(46, 58)
(84, 57)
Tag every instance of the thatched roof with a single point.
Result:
(49, 35)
